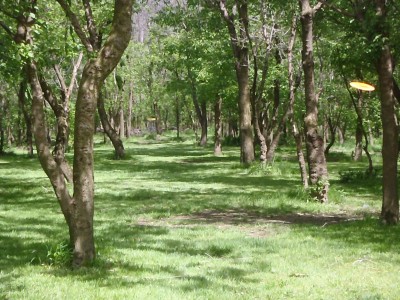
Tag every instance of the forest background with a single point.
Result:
(262, 75)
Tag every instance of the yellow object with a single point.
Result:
(362, 86)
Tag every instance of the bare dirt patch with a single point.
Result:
(254, 224)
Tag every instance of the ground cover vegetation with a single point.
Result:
(229, 120)
(174, 222)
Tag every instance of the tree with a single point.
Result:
(375, 24)
(78, 208)
(237, 23)
(318, 172)
(384, 66)
(93, 42)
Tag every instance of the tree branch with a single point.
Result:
(340, 11)
(7, 29)
(76, 24)
(60, 78)
(91, 25)
(231, 26)
(318, 5)
(74, 74)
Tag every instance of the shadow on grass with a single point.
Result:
(119, 203)
(369, 234)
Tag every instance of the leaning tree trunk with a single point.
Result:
(359, 131)
(318, 172)
(62, 116)
(218, 127)
(332, 132)
(109, 130)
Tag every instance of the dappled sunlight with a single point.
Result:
(173, 220)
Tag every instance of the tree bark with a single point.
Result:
(358, 148)
(390, 202)
(62, 116)
(204, 124)
(27, 116)
(218, 127)
(177, 116)
(2, 112)
(121, 123)
(340, 135)
(318, 172)
(239, 43)
(129, 116)
(200, 108)
(109, 130)
(95, 72)
(300, 155)
(332, 131)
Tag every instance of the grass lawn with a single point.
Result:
(174, 222)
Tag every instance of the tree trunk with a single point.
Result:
(358, 148)
(129, 116)
(318, 172)
(300, 155)
(2, 112)
(109, 130)
(177, 116)
(239, 43)
(203, 124)
(94, 74)
(49, 165)
(332, 130)
(200, 108)
(340, 135)
(27, 116)
(293, 85)
(218, 127)
(121, 123)
(62, 115)
(157, 117)
(390, 203)
(359, 130)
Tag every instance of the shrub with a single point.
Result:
(60, 255)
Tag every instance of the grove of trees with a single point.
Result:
(259, 73)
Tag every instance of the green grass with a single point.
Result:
(174, 222)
